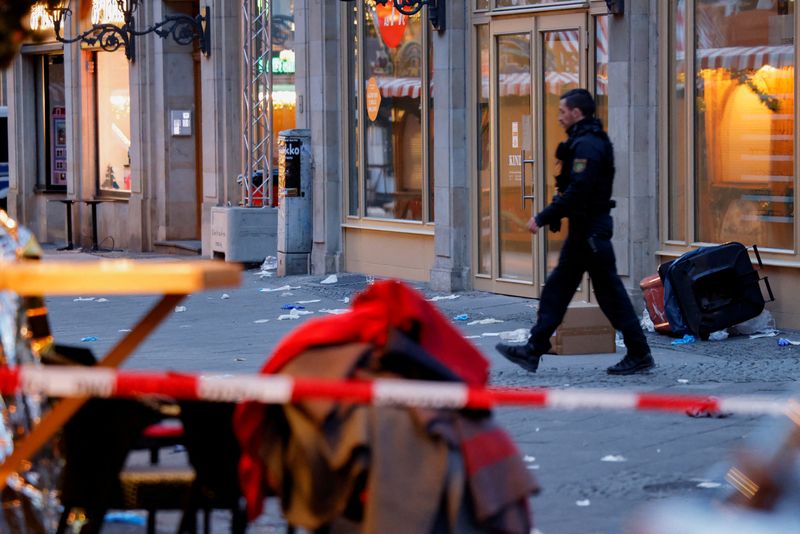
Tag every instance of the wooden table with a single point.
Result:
(171, 279)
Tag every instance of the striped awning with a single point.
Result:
(516, 84)
(745, 57)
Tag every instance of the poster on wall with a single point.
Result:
(58, 142)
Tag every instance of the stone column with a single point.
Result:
(633, 127)
(220, 75)
(318, 38)
(451, 271)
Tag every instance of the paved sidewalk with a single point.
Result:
(233, 331)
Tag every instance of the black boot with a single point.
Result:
(523, 355)
(632, 364)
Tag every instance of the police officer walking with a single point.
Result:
(584, 198)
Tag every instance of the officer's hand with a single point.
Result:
(532, 226)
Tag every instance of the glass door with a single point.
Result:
(531, 61)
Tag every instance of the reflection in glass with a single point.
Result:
(562, 61)
(677, 123)
(513, 136)
(51, 122)
(601, 68)
(483, 153)
(113, 121)
(393, 62)
(354, 130)
(481, 4)
(284, 97)
(744, 123)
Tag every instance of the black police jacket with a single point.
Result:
(585, 183)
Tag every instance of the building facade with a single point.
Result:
(432, 148)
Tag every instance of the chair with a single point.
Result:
(95, 481)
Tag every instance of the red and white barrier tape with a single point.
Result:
(274, 389)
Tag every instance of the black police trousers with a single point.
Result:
(594, 255)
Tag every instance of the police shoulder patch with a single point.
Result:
(579, 165)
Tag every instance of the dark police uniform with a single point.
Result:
(584, 198)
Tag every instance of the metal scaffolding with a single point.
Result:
(256, 174)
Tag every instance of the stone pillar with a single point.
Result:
(318, 38)
(633, 128)
(222, 110)
(451, 271)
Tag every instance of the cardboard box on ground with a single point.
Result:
(584, 330)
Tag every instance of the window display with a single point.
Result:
(744, 128)
(113, 122)
(397, 116)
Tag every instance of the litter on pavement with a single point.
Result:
(83, 299)
(101, 300)
(647, 322)
(332, 279)
(448, 297)
(613, 458)
(225, 296)
(709, 485)
(618, 340)
(462, 317)
(770, 333)
(261, 321)
(88, 339)
(685, 340)
(292, 307)
(718, 336)
(308, 301)
(583, 502)
(337, 311)
(270, 263)
(274, 289)
(683, 381)
(519, 335)
(294, 314)
(484, 321)
(783, 342)
(179, 309)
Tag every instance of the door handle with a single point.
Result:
(526, 162)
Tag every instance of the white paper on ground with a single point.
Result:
(332, 279)
(448, 297)
(337, 311)
(490, 320)
(519, 335)
(613, 458)
(274, 289)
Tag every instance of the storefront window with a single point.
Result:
(676, 229)
(483, 153)
(284, 97)
(481, 4)
(744, 122)
(601, 67)
(731, 170)
(396, 111)
(51, 122)
(353, 108)
(113, 122)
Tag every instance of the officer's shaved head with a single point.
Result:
(581, 99)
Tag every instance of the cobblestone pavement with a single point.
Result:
(664, 454)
